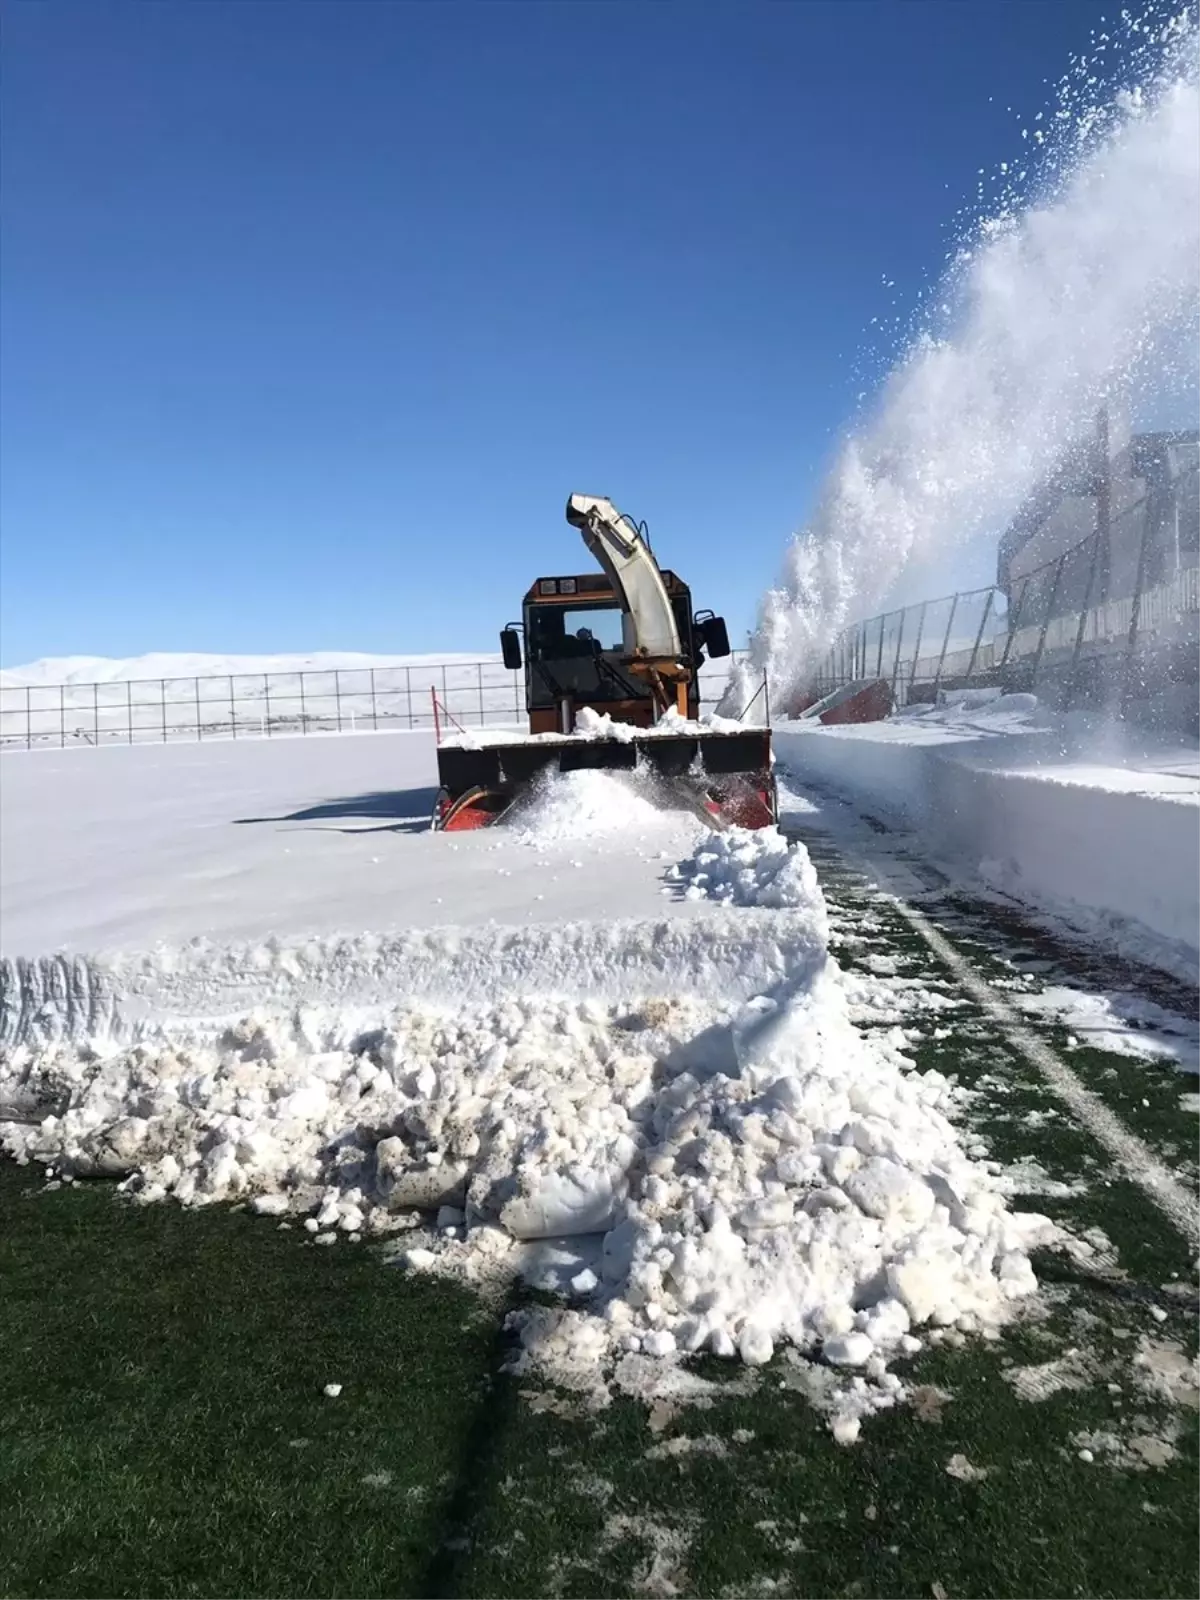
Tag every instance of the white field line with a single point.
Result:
(1131, 1154)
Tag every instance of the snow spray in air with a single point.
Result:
(1050, 307)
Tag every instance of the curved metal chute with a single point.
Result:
(648, 623)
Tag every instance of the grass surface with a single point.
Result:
(166, 1433)
(165, 1430)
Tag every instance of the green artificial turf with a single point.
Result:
(165, 1433)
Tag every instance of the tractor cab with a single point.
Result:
(577, 654)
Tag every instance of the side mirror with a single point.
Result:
(715, 635)
(510, 649)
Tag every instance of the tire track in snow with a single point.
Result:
(47, 998)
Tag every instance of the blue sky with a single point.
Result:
(313, 314)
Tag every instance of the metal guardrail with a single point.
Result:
(263, 705)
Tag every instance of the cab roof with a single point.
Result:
(588, 586)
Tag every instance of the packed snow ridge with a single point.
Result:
(731, 1176)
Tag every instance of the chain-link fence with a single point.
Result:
(1127, 593)
(244, 705)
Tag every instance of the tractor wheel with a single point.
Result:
(474, 808)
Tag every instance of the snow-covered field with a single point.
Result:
(123, 848)
(647, 1052)
(598, 1046)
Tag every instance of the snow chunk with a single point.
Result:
(750, 867)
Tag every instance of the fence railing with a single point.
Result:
(953, 636)
(1058, 615)
(243, 705)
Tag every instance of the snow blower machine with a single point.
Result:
(611, 664)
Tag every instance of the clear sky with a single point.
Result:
(314, 313)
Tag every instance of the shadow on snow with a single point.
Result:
(396, 811)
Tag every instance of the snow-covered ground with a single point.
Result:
(125, 848)
(201, 880)
(670, 1116)
(611, 1049)
(1098, 828)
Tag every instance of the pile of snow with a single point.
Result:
(749, 867)
(586, 804)
(591, 725)
(747, 1175)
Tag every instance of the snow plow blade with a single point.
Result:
(729, 774)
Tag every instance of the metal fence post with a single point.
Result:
(162, 702)
(232, 708)
(1135, 617)
(479, 680)
(879, 656)
(303, 707)
(28, 721)
(1083, 616)
(62, 717)
(337, 696)
(1050, 604)
(1014, 621)
(129, 710)
(912, 677)
(899, 641)
(199, 722)
(374, 712)
(408, 693)
(937, 677)
(96, 713)
(267, 699)
(987, 611)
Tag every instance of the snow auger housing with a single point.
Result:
(624, 643)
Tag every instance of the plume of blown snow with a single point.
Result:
(1049, 309)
